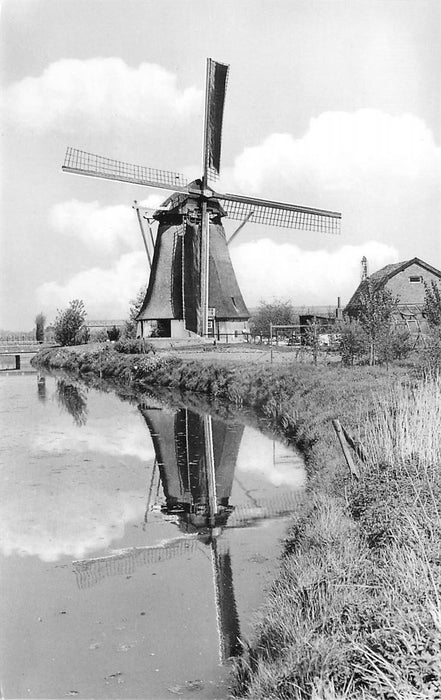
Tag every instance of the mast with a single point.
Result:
(205, 225)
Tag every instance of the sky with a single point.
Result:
(334, 104)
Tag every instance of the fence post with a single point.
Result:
(17, 362)
(271, 342)
(344, 446)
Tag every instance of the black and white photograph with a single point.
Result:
(220, 349)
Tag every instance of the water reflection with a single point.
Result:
(72, 399)
(196, 456)
(41, 387)
(191, 485)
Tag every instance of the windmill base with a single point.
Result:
(222, 331)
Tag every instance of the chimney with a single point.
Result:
(339, 310)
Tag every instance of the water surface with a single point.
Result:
(137, 540)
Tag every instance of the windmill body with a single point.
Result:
(173, 300)
(192, 285)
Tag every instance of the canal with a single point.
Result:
(137, 540)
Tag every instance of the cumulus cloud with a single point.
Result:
(98, 93)
(365, 150)
(264, 268)
(267, 270)
(106, 292)
(105, 229)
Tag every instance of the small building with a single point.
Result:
(405, 280)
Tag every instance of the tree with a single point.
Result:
(278, 313)
(40, 321)
(432, 304)
(135, 306)
(375, 314)
(70, 325)
(432, 312)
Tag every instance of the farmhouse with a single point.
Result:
(406, 281)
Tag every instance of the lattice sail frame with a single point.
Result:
(237, 207)
(84, 163)
(280, 215)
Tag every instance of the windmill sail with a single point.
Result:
(83, 163)
(192, 285)
(217, 76)
(262, 211)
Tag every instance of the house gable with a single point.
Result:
(404, 280)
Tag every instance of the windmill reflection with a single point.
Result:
(191, 484)
(196, 456)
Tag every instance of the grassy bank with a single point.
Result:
(356, 609)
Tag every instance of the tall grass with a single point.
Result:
(356, 610)
(406, 425)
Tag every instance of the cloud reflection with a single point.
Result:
(277, 463)
(71, 522)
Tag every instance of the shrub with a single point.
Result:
(394, 344)
(134, 309)
(130, 346)
(70, 325)
(353, 342)
(98, 336)
(113, 333)
(432, 304)
(431, 354)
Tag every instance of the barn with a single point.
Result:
(405, 280)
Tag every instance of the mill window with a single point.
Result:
(415, 279)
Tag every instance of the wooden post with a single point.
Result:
(205, 258)
(271, 341)
(143, 233)
(344, 446)
(211, 470)
(315, 342)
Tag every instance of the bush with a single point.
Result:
(130, 346)
(134, 309)
(98, 336)
(394, 344)
(432, 304)
(113, 333)
(353, 342)
(70, 325)
(431, 354)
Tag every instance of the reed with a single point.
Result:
(355, 612)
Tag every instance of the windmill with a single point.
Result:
(195, 462)
(192, 285)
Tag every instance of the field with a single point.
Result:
(356, 609)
